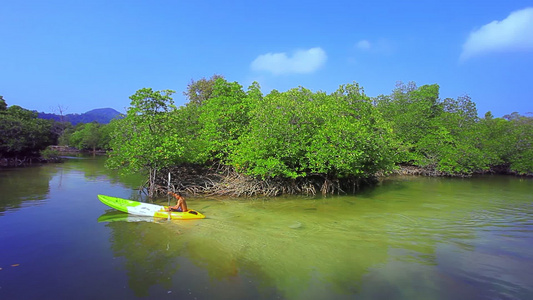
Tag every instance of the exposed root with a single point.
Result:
(430, 171)
(219, 180)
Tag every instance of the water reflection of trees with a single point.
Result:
(145, 249)
(24, 184)
(20, 185)
(93, 168)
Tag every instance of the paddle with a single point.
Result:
(168, 195)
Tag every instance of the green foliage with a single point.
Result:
(3, 104)
(224, 118)
(522, 157)
(64, 137)
(292, 134)
(278, 131)
(462, 154)
(90, 136)
(299, 133)
(440, 135)
(508, 141)
(50, 154)
(448, 136)
(147, 138)
(185, 119)
(22, 133)
(411, 111)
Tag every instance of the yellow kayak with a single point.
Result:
(147, 209)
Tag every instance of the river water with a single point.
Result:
(407, 238)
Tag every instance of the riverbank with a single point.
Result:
(52, 154)
(13, 162)
(19, 162)
(421, 171)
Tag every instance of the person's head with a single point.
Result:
(177, 196)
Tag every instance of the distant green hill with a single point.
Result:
(100, 115)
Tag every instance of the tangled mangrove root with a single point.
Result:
(220, 180)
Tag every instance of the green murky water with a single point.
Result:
(408, 238)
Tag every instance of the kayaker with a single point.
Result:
(180, 206)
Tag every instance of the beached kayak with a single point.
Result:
(147, 209)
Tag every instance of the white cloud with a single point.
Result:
(301, 62)
(379, 46)
(363, 45)
(514, 33)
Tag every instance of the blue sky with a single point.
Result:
(83, 55)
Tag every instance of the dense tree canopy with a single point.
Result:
(21, 132)
(90, 136)
(300, 133)
(224, 118)
(3, 104)
(447, 135)
(147, 139)
(291, 135)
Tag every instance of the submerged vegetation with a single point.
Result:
(230, 141)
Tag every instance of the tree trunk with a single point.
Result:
(151, 182)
